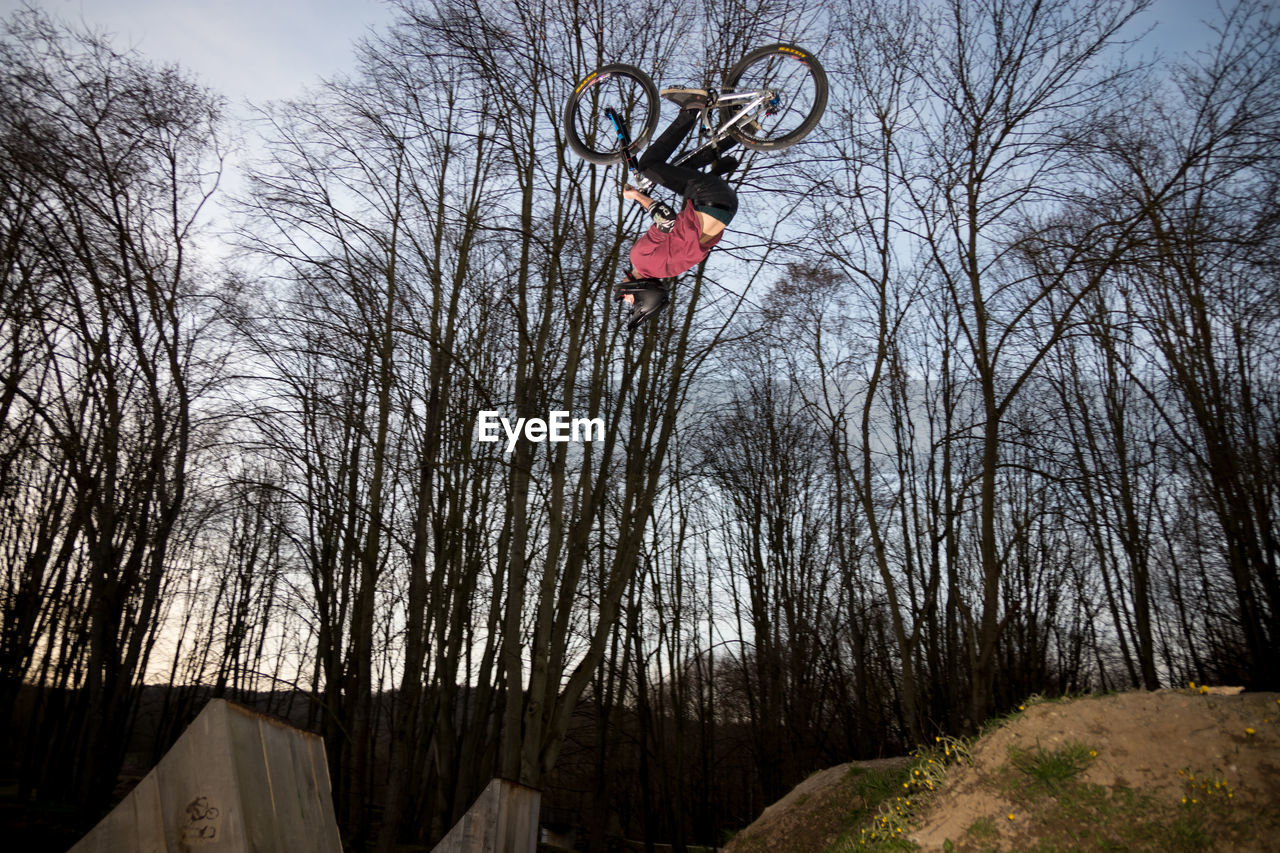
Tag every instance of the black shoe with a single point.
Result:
(646, 297)
(724, 166)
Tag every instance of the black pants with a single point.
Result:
(705, 191)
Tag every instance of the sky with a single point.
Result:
(247, 50)
(261, 50)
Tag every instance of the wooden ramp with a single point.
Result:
(235, 782)
(504, 819)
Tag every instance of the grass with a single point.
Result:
(1063, 813)
(876, 786)
(874, 789)
(891, 799)
(1041, 772)
(862, 792)
(1093, 817)
(982, 829)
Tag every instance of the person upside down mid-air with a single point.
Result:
(677, 242)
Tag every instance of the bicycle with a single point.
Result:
(771, 99)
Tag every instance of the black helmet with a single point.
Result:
(646, 296)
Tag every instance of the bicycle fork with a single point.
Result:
(624, 142)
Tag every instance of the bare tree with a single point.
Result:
(1197, 290)
(1009, 87)
(114, 159)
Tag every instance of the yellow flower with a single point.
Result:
(1022, 707)
(1010, 815)
(1204, 689)
(1093, 753)
(1193, 685)
(1250, 731)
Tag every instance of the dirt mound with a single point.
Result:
(817, 811)
(1171, 770)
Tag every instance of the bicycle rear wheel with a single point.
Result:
(800, 85)
(630, 93)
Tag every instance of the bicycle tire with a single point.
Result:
(803, 88)
(589, 134)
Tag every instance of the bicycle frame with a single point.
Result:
(749, 103)
(769, 100)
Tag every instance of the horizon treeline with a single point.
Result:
(977, 399)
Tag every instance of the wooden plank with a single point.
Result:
(199, 790)
(503, 819)
(148, 816)
(255, 784)
(319, 763)
(519, 817)
(289, 788)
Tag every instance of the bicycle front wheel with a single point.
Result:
(799, 84)
(618, 89)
